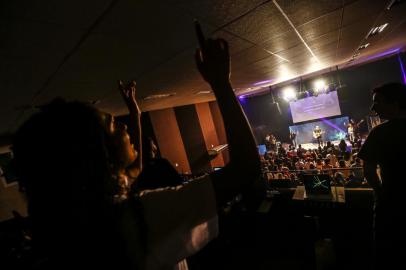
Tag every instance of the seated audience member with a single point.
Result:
(279, 176)
(333, 159)
(70, 158)
(354, 182)
(319, 164)
(312, 169)
(357, 171)
(342, 165)
(269, 176)
(327, 167)
(339, 178)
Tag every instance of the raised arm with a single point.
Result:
(213, 62)
(134, 124)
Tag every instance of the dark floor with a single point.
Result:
(288, 235)
(293, 236)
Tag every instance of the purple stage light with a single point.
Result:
(332, 125)
(402, 68)
(327, 122)
(382, 54)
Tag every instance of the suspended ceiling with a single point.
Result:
(79, 49)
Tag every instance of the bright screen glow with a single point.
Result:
(332, 130)
(322, 106)
(262, 149)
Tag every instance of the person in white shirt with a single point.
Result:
(73, 161)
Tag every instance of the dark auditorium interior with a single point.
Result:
(303, 72)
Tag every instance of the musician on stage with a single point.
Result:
(351, 131)
(292, 137)
(317, 132)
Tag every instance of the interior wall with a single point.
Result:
(169, 139)
(187, 133)
(193, 139)
(220, 130)
(209, 132)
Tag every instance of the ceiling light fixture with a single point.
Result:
(203, 92)
(355, 55)
(158, 96)
(319, 86)
(364, 46)
(377, 30)
(289, 94)
(394, 3)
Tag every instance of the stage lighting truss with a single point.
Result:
(319, 87)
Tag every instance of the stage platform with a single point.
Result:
(315, 145)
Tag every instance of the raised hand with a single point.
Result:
(128, 94)
(212, 58)
(134, 124)
(213, 62)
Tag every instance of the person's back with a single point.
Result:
(390, 154)
(384, 150)
(343, 169)
(357, 170)
(342, 146)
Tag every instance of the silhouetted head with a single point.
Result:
(64, 156)
(389, 100)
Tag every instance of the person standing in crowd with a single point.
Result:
(342, 146)
(382, 150)
(351, 131)
(267, 141)
(292, 137)
(70, 156)
(317, 134)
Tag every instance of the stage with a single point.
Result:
(310, 146)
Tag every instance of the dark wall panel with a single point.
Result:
(219, 124)
(169, 139)
(147, 132)
(209, 131)
(192, 136)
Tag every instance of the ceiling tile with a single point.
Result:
(282, 42)
(303, 11)
(260, 25)
(154, 42)
(248, 56)
(363, 10)
(73, 14)
(320, 26)
(214, 12)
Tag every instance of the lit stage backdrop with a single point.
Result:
(322, 106)
(333, 130)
